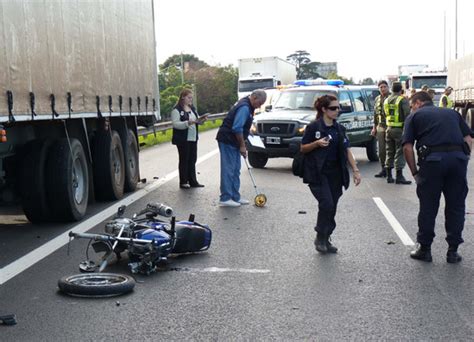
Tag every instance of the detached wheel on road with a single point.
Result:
(132, 168)
(109, 166)
(372, 150)
(33, 181)
(67, 180)
(96, 284)
(258, 160)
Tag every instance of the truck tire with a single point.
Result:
(108, 166)
(96, 284)
(132, 168)
(33, 181)
(258, 160)
(67, 180)
(372, 150)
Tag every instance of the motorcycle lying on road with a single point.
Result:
(148, 241)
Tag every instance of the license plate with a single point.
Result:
(273, 140)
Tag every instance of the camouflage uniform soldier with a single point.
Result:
(380, 125)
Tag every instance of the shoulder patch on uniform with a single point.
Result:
(318, 134)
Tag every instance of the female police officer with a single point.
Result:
(327, 153)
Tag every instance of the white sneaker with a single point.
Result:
(229, 203)
(243, 201)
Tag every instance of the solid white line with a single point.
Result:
(397, 227)
(221, 270)
(28, 260)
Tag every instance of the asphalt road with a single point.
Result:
(261, 279)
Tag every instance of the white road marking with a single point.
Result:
(28, 260)
(397, 227)
(221, 270)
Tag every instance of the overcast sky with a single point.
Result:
(367, 38)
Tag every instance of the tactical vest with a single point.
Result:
(392, 112)
(449, 102)
(225, 134)
(379, 111)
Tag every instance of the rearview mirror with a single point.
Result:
(268, 108)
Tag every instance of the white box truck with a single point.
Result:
(264, 73)
(461, 78)
(77, 78)
(435, 80)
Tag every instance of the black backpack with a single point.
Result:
(298, 164)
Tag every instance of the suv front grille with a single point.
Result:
(276, 129)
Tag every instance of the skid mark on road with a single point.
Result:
(28, 260)
(397, 227)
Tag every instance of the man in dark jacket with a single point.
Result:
(231, 137)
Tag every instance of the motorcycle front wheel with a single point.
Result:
(96, 284)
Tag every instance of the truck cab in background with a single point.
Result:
(436, 80)
(263, 73)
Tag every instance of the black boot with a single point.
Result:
(422, 253)
(330, 247)
(320, 243)
(381, 174)
(453, 256)
(400, 179)
(389, 175)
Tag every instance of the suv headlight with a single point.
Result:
(253, 128)
(300, 130)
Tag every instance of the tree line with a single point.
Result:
(215, 87)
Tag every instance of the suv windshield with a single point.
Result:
(300, 99)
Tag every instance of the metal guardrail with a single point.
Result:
(163, 126)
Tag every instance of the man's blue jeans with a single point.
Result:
(230, 172)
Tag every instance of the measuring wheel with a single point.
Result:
(260, 200)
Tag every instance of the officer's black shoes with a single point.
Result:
(320, 243)
(389, 175)
(453, 256)
(400, 179)
(381, 174)
(330, 247)
(422, 253)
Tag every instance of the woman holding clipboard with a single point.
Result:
(185, 136)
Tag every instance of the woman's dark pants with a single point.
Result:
(187, 162)
(327, 193)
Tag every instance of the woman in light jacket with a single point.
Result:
(185, 136)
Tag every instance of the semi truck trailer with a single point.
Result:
(461, 78)
(77, 78)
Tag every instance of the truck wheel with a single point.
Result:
(32, 181)
(258, 160)
(372, 150)
(96, 284)
(109, 170)
(132, 169)
(67, 180)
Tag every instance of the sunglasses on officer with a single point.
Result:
(334, 108)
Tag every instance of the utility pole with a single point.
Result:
(444, 43)
(456, 31)
(182, 68)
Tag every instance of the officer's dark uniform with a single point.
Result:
(442, 169)
(325, 170)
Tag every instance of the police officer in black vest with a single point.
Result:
(443, 144)
(327, 153)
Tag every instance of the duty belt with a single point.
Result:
(446, 148)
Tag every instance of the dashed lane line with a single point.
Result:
(397, 227)
(28, 260)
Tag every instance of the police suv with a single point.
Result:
(282, 127)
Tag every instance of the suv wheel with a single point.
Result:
(258, 160)
(371, 149)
